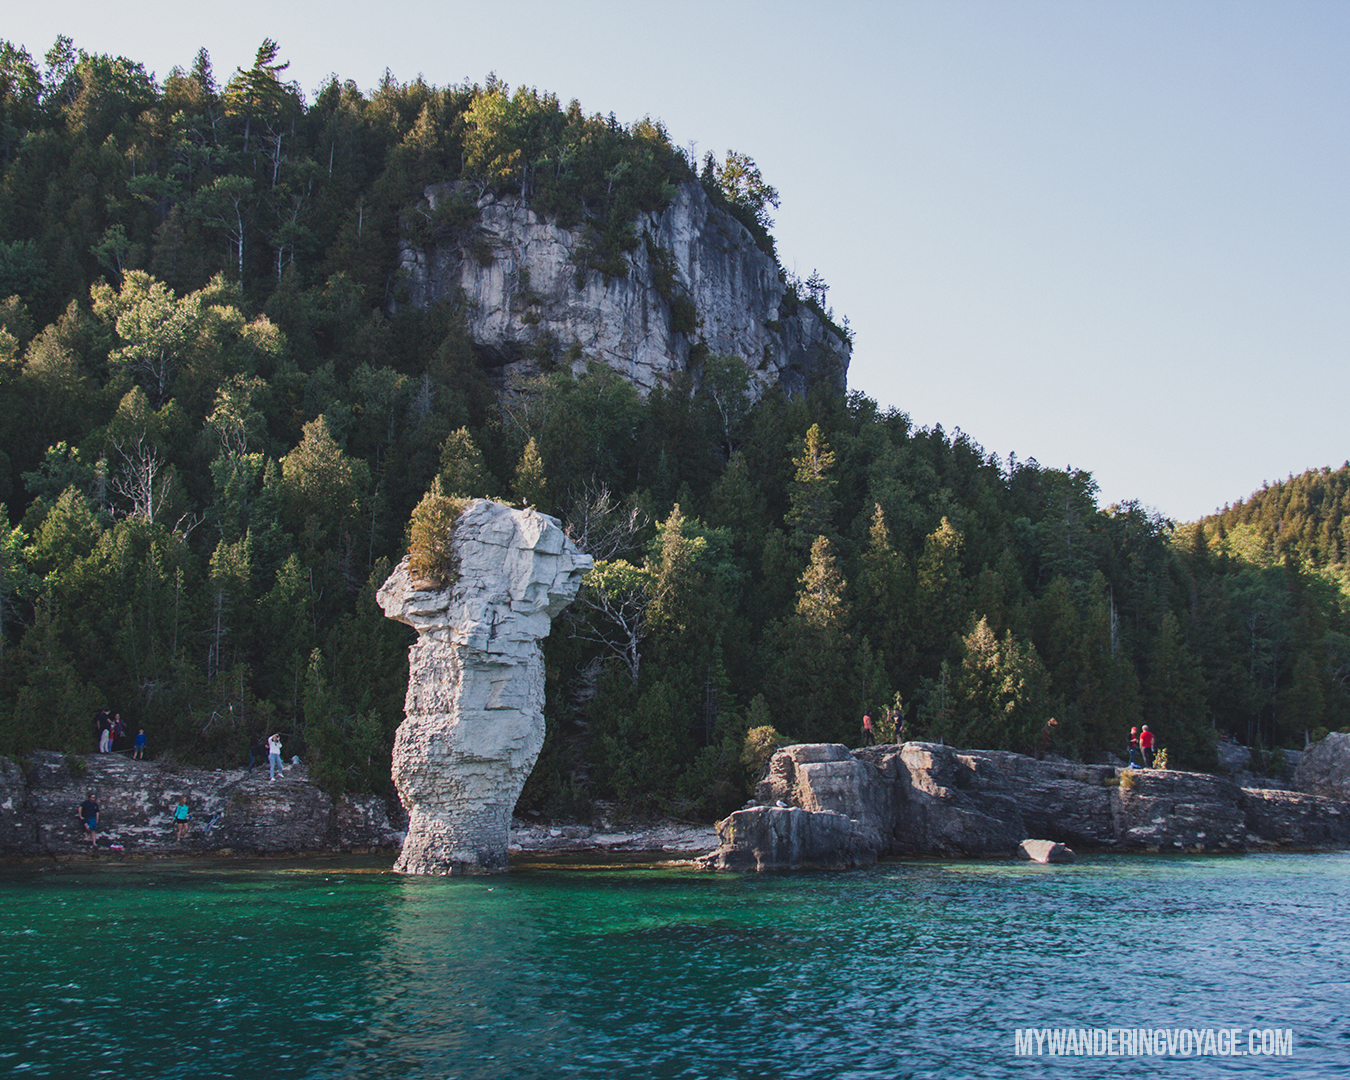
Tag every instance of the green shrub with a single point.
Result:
(431, 553)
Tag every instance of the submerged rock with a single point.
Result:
(475, 704)
(1045, 851)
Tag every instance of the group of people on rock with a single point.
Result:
(112, 735)
(112, 739)
(1142, 742)
(1141, 745)
(110, 729)
(90, 812)
(869, 730)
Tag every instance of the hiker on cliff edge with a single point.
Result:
(1146, 745)
(1134, 748)
(1047, 733)
(869, 733)
(274, 765)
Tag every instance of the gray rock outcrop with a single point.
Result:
(526, 299)
(790, 838)
(928, 799)
(1324, 768)
(257, 816)
(475, 704)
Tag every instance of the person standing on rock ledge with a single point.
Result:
(869, 735)
(274, 765)
(1146, 745)
(89, 817)
(1047, 733)
(180, 818)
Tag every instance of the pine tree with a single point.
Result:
(813, 501)
(531, 485)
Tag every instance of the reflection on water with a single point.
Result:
(337, 969)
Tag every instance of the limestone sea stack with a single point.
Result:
(474, 712)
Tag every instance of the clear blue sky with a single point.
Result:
(1106, 235)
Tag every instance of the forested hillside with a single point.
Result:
(1305, 519)
(216, 420)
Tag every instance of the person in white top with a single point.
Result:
(274, 755)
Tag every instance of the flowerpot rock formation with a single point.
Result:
(474, 712)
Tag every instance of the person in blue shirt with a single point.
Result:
(180, 817)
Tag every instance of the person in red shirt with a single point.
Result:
(1146, 745)
(869, 734)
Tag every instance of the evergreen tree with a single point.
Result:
(813, 501)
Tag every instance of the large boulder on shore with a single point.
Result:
(790, 838)
(1324, 768)
(1045, 851)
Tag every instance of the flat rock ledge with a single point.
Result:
(821, 804)
(39, 798)
(675, 840)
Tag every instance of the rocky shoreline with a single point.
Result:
(819, 806)
(233, 811)
(258, 817)
(824, 806)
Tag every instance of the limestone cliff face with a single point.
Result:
(475, 704)
(525, 299)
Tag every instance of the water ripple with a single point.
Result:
(917, 969)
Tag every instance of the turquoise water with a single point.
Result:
(340, 969)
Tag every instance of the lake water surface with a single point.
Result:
(925, 969)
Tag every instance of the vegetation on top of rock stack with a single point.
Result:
(431, 550)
